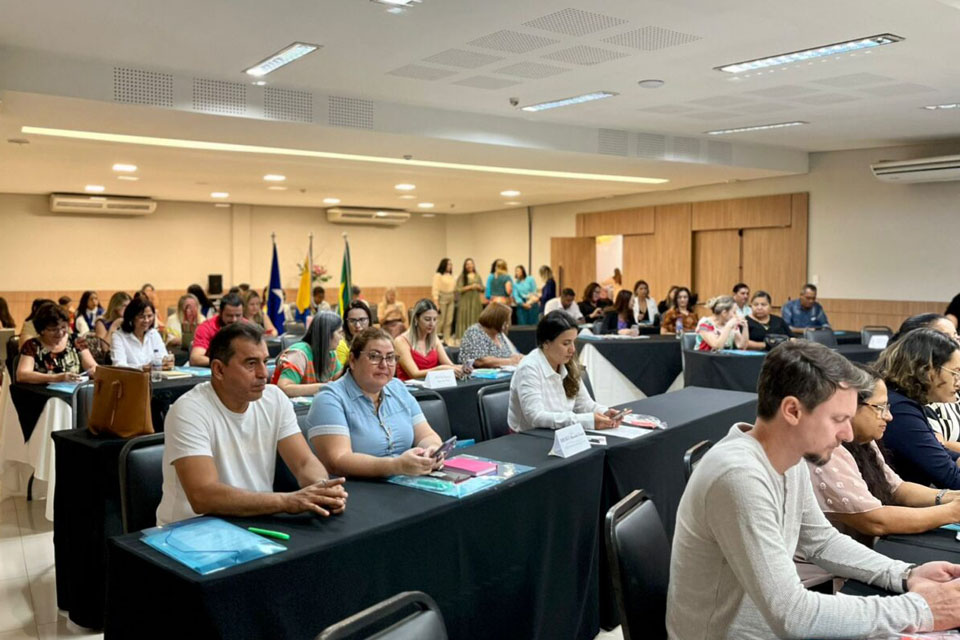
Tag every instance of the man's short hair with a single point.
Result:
(569, 292)
(319, 289)
(231, 300)
(811, 287)
(740, 285)
(222, 347)
(806, 370)
(64, 300)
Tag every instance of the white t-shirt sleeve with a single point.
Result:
(186, 432)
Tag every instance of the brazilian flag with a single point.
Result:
(346, 281)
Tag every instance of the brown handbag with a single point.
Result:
(121, 402)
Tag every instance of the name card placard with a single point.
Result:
(440, 379)
(569, 441)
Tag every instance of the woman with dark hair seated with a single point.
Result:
(486, 344)
(137, 343)
(933, 321)
(619, 318)
(547, 390)
(681, 316)
(861, 495)
(357, 319)
(28, 331)
(589, 305)
(304, 368)
(6, 320)
(761, 323)
(88, 310)
(54, 355)
(921, 367)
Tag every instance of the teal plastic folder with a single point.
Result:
(209, 544)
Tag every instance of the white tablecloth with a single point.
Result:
(610, 386)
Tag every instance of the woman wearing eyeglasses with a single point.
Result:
(358, 319)
(54, 355)
(861, 495)
(920, 368)
(366, 424)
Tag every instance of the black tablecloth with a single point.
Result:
(524, 337)
(517, 561)
(651, 364)
(740, 372)
(847, 337)
(939, 544)
(29, 401)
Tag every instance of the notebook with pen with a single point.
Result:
(209, 544)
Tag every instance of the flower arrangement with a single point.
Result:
(319, 272)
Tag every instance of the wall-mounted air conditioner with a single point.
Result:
(939, 169)
(101, 205)
(366, 215)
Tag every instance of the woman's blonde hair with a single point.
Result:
(413, 333)
(720, 304)
(500, 266)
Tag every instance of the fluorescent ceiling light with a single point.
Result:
(398, 3)
(429, 215)
(407, 196)
(510, 193)
(331, 201)
(220, 204)
(274, 177)
(938, 107)
(275, 187)
(128, 178)
(805, 55)
(566, 102)
(219, 194)
(759, 127)
(283, 57)
(511, 204)
(404, 187)
(94, 188)
(179, 143)
(425, 205)
(125, 168)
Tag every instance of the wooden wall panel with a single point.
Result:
(849, 314)
(742, 213)
(574, 262)
(639, 220)
(716, 262)
(641, 261)
(664, 258)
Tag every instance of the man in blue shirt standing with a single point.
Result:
(805, 312)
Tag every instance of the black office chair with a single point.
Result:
(873, 330)
(141, 481)
(288, 339)
(435, 411)
(383, 621)
(297, 329)
(453, 353)
(374, 314)
(585, 378)
(692, 457)
(688, 340)
(639, 556)
(597, 327)
(823, 335)
(493, 403)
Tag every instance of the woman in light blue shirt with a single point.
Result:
(526, 297)
(366, 424)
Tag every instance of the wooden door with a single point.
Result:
(574, 262)
(716, 262)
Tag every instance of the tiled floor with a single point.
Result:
(28, 594)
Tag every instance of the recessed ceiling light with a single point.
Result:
(510, 193)
(651, 84)
(511, 204)
(221, 204)
(381, 214)
(276, 187)
(203, 145)
(283, 57)
(404, 187)
(759, 127)
(94, 188)
(425, 205)
(274, 177)
(125, 168)
(259, 83)
(429, 215)
(398, 3)
(805, 55)
(938, 107)
(407, 196)
(331, 201)
(219, 194)
(566, 102)
(128, 178)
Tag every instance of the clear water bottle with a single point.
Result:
(156, 366)
(679, 327)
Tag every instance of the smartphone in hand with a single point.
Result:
(445, 448)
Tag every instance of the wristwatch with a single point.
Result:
(905, 577)
(939, 499)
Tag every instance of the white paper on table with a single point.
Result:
(623, 431)
(878, 342)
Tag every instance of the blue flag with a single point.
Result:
(275, 300)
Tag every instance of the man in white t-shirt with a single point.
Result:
(741, 295)
(566, 304)
(222, 438)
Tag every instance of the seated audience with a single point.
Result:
(547, 390)
(88, 311)
(319, 304)
(725, 329)
(307, 365)
(566, 303)
(952, 312)
(366, 424)
(590, 307)
(681, 316)
(185, 321)
(525, 297)
(27, 330)
(920, 368)
(253, 312)
(6, 320)
(805, 312)
(761, 323)
(485, 344)
(933, 321)
(231, 311)
(65, 304)
(418, 350)
(619, 318)
(110, 321)
(749, 507)
(644, 307)
(356, 294)
(861, 495)
(136, 343)
(549, 290)
(664, 305)
(358, 319)
(151, 293)
(501, 285)
(222, 439)
(54, 355)
(207, 310)
(741, 295)
(392, 313)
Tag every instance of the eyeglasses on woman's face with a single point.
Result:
(358, 322)
(880, 409)
(375, 358)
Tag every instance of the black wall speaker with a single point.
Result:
(215, 284)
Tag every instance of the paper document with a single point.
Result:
(622, 431)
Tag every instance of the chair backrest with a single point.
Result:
(141, 481)
(688, 340)
(692, 456)
(874, 330)
(453, 353)
(597, 327)
(297, 329)
(288, 339)
(585, 379)
(424, 622)
(13, 350)
(823, 335)
(435, 411)
(493, 402)
(639, 556)
(85, 404)
(374, 314)
(5, 335)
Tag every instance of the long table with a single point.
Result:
(626, 369)
(517, 561)
(461, 402)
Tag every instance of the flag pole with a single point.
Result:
(310, 266)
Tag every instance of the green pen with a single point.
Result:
(270, 534)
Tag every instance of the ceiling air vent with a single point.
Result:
(101, 205)
(368, 216)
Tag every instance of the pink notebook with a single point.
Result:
(468, 465)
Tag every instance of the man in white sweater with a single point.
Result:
(749, 508)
